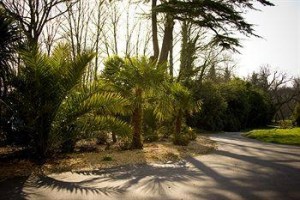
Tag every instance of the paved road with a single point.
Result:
(241, 168)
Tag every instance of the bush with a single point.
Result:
(181, 140)
(262, 111)
(107, 158)
(164, 131)
(230, 106)
(212, 108)
(296, 116)
(102, 138)
(150, 136)
(124, 143)
(190, 133)
(285, 124)
(149, 126)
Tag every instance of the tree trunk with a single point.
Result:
(42, 130)
(178, 123)
(171, 67)
(137, 124)
(154, 31)
(114, 137)
(177, 131)
(167, 40)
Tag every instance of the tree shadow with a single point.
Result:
(75, 187)
(28, 187)
(215, 179)
(267, 148)
(12, 188)
(283, 181)
(150, 179)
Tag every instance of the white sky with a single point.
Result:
(280, 47)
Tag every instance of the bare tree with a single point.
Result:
(33, 15)
(283, 90)
(50, 34)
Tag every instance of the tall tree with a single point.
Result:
(222, 18)
(42, 84)
(154, 30)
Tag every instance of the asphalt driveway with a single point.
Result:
(240, 168)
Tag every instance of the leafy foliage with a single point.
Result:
(231, 106)
(138, 80)
(42, 85)
(88, 111)
(221, 17)
(57, 109)
(183, 103)
(9, 43)
(296, 115)
(212, 110)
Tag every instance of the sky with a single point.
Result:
(280, 47)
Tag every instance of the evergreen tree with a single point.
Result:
(222, 18)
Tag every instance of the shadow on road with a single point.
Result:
(238, 170)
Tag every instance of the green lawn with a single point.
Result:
(280, 136)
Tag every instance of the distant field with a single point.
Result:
(280, 136)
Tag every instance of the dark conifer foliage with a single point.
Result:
(223, 18)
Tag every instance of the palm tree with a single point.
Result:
(9, 39)
(182, 102)
(136, 79)
(86, 112)
(42, 84)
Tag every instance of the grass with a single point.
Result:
(280, 136)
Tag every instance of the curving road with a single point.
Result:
(240, 169)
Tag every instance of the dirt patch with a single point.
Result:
(157, 152)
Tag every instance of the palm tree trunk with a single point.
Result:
(178, 124)
(114, 137)
(43, 129)
(137, 123)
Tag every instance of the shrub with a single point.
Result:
(150, 136)
(285, 124)
(150, 126)
(296, 116)
(107, 158)
(190, 133)
(212, 108)
(172, 157)
(164, 131)
(181, 139)
(124, 143)
(102, 138)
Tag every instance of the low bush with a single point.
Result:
(151, 136)
(296, 116)
(107, 158)
(181, 140)
(285, 124)
(124, 143)
(191, 134)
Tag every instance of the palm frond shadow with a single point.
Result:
(80, 187)
(156, 179)
(13, 188)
